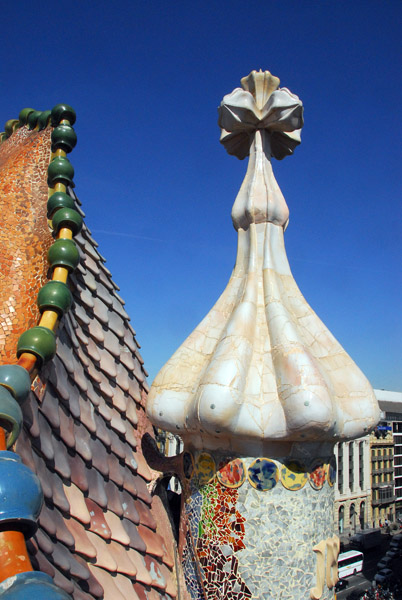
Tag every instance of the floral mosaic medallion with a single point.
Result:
(205, 468)
(318, 474)
(293, 475)
(331, 473)
(188, 465)
(231, 474)
(263, 474)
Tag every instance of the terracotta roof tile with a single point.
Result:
(146, 517)
(46, 520)
(65, 351)
(81, 445)
(59, 497)
(104, 557)
(87, 415)
(119, 399)
(117, 445)
(142, 491)
(129, 510)
(106, 387)
(125, 358)
(81, 315)
(101, 310)
(61, 557)
(103, 432)
(92, 396)
(82, 544)
(96, 485)
(61, 464)
(83, 339)
(136, 540)
(78, 472)
(116, 472)
(143, 576)
(118, 423)
(99, 456)
(171, 585)
(154, 570)
(41, 563)
(98, 522)
(126, 587)
(78, 508)
(25, 451)
(122, 378)
(111, 591)
(131, 413)
(94, 373)
(66, 424)
(119, 534)
(44, 442)
(93, 585)
(116, 323)
(132, 440)
(142, 467)
(130, 482)
(96, 331)
(30, 412)
(121, 556)
(91, 265)
(79, 377)
(42, 472)
(44, 542)
(107, 364)
(66, 584)
(112, 344)
(114, 500)
(49, 407)
(152, 540)
(82, 441)
(88, 280)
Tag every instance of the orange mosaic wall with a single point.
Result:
(24, 233)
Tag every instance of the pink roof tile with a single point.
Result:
(84, 443)
(104, 557)
(78, 508)
(82, 544)
(119, 534)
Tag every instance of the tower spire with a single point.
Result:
(261, 390)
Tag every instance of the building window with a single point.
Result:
(341, 519)
(362, 516)
(340, 468)
(351, 473)
(352, 519)
(361, 465)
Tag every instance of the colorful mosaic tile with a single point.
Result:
(331, 471)
(205, 468)
(231, 474)
(293, 475)
(263, 474)
(318, 474)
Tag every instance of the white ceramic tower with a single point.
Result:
(260, 392)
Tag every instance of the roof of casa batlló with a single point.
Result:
(101, 533)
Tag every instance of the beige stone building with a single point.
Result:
(369, 483)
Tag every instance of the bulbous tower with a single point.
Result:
(260, 392)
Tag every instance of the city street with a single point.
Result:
(363, 580)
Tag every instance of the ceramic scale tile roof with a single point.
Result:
(84, 418)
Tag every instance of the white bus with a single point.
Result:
(350, 563)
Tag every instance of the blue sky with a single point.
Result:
(145, 79)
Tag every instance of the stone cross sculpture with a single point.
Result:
(260, 392)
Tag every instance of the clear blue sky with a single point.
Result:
(145, 79)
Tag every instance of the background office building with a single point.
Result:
(369, 485)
